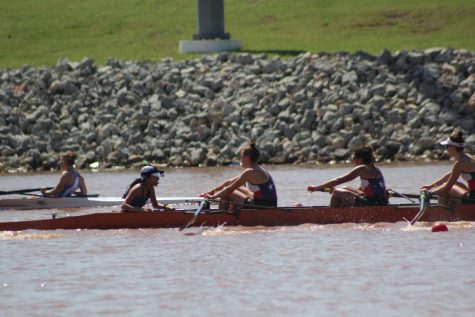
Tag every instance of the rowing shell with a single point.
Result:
(282, 216)
(80, 202)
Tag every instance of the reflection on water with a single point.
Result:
(24, 235)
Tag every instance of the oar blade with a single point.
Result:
(423, 198)
(189, 223)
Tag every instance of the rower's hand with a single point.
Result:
(426, 187)
(168, 207)
(312, 188)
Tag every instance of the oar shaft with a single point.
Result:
(22, 191)
(423, 198)
(398, 195)
(195, 215)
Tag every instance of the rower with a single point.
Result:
(253, 188)
(70, 182)
(142, 189)
(372, 191)
(448, 185)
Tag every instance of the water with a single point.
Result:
(308, 270)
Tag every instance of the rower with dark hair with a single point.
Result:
(253, 188)
(372, 191)
(464, 166)
(70, 182)
(142, 189)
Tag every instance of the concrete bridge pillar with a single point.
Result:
(211, 36)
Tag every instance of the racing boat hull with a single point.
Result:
(282, 216)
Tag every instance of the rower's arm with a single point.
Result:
(222, 186)
(82, 186)
(337, 181)
(233, 184)
(153, 200)
(450, 182)
(57, 189)
(438, 182)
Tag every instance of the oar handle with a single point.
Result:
(393, 193)
(324, 190)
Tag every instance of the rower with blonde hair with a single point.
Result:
(70, 182)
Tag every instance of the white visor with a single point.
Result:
(157, 175)
(450, 142)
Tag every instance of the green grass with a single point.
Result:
(38, 32)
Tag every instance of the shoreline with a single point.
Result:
(171, 169)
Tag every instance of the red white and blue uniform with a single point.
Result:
(374, 190)
(470, 178)
(264, 194)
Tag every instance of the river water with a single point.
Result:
(309, 270)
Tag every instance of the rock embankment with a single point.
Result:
(311, 108)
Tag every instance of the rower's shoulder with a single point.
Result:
(467, 161)
(65, 174)
(362, 168)
(471, 157)
(368, 171)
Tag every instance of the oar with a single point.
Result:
(195, 215)
(393, 193)
(423, 198)
(22, 191)
(324, 190)
(74, 195)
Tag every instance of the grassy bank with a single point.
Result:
(39, 32)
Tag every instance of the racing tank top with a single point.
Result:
(264, 191)
(69, 190)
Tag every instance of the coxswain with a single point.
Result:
(142, 189)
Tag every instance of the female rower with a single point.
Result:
(253, 188)
(464, 166)
(70, 182)
(372, 191)
(142, 189)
